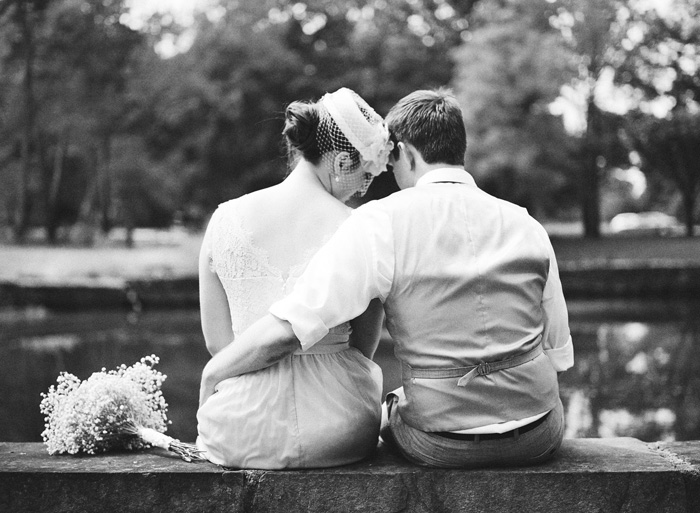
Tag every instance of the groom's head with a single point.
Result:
(431, 121)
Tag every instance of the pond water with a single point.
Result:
(637, 370)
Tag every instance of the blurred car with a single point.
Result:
(656, 223)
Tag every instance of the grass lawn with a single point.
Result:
(165, 254)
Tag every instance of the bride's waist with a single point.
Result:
(327, 346)
(337, 335)
(335, 341)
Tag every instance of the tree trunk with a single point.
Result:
(54, 187)
(590, 196)
(689, 207)
(83, 231)
(21, 220)
(682, 158)
(105, 184)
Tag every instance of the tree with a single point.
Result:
(509, 71)
(91, 53)
(23, 15)
(660, 66)
(594, 30)
(76, 59)
(245, 66)
(669, 146)
(205, 124)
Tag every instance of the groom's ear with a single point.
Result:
(395, 150)
(407, 151)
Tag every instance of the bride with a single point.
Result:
(321, 407)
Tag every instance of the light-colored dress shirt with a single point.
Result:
(445, 259)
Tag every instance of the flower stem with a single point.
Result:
(187, 452)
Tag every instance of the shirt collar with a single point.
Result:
(446, 174)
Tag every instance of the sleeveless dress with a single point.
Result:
(318, 408)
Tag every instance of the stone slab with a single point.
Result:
(688, 451)
(589, 475)
(627, 278)
(101, 293)
(582, 279)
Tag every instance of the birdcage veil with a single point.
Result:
(349, 125)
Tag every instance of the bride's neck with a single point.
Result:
(308, 175)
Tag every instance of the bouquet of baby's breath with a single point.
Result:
(122, 408)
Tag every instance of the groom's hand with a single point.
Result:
(263, 344)
(206, 389)
(210, 378)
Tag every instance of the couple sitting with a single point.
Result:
(294, 286)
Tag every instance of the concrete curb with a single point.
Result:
(92, 294)
(589, 475)
(580, 280)
(630, 278)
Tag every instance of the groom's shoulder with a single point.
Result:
(400, 198)
(385, 205)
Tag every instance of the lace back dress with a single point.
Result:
(319, 408)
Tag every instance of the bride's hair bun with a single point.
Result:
(301, 121)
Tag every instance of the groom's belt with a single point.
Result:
(467, 374)
(514, 433)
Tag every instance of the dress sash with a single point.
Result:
(324, 349)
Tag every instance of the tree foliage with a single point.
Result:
(593, 30)
(247, 64)
(81, 57)
(97, 129)
(509, 72)
(670, 147)
(661, 65)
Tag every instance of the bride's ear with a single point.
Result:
(341, 163)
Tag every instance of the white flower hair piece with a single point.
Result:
(369, 137)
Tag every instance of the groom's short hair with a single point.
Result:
(431, 121)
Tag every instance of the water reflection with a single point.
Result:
(635, 378)
(33, 352)
(636, 373)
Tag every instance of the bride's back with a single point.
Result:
(258, 245)
(291, 222)
(261, 242)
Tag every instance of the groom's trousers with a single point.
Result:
(528, 445)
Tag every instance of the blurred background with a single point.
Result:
(124, 123)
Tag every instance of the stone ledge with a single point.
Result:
(589, 475)
(629, 278)
(585, 279)
(96, 293)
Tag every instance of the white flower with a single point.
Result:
(378, 152)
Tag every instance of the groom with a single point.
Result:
(473, 301)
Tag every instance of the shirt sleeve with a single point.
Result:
(354, 267)
(557, 342)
